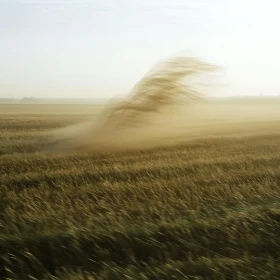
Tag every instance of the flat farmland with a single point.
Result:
(205, 206)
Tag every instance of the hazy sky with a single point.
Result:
(100, 48)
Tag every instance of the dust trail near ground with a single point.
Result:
(129, 123)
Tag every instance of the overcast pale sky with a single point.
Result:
(100, 48)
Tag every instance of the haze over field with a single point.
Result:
(175, 176)
(168, 105)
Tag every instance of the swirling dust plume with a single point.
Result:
(138, 120)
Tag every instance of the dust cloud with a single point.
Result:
(169, 106)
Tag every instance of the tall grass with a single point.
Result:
(206, 209)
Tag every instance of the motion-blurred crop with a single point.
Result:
(207, 208)
(189, 194)
(129, 123)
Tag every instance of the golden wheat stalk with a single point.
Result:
(170, 82)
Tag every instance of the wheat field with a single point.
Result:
(202, 205)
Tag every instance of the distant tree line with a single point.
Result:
(9, 99)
